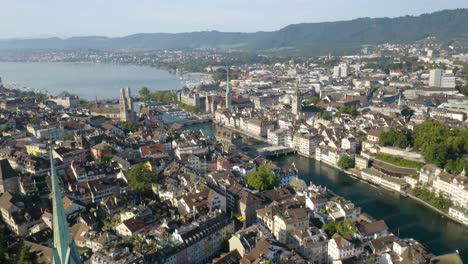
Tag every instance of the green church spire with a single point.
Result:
(65, 250)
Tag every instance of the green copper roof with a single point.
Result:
(65, 250)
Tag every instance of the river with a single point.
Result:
(404, 216)
(87, 80)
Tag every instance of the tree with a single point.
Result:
(395, 137)
(35, 120)
(345, 162)
(346, 110)
(65, 94)
(130, 126)
(262, 179)
(219, 74)
(140, 177)
(326, 115)
(144, 93)
(463, 89)
(24, 256)
(312, 101)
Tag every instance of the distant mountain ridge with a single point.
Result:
(304, 38)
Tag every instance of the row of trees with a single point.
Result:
(156, 96)
(437, 200)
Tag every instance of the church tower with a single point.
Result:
(228, 92)
(65, 250)
(126, 105)
(296, 101)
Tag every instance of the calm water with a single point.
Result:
(411, 219)
(402, 215)
(86, 80)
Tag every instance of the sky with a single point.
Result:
(66, 18)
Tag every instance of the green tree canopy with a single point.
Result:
(345, 162)
(439, 143)
(130, 126)
(144, 93)
(140, 177)
(395, 137)
(35, 120)
(262, 179)
(345, 228)
(346, 110)
(326, 115)
(66, 93)
(312, 100)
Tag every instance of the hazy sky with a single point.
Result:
(64, 18)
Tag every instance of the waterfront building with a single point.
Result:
(277, 137)
(454, 187)
(459, 213)
(427, 173)
(306, 143)
(384, 180)
(329, 155)
(361, 162)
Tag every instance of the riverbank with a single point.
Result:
(356, 176)
(402, 193)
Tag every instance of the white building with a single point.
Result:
(439, 78)
(340, 248)
(435, 78)
(459, 213)
(305, 143)
(329, 155)
(278, 137)
(454, 187)
(340, 71)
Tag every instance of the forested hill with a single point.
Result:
(305, 38)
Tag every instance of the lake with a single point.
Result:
(87, 80)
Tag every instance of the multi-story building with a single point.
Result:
(259, 127)
(285, 221)
(67, 101)
(459, 213)
(329, 155)
(341, 248)
(435, 77)
(427, 173)
(305, 143)
(454, 187)
(278, 137)
(311, 242)
(200, 243)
